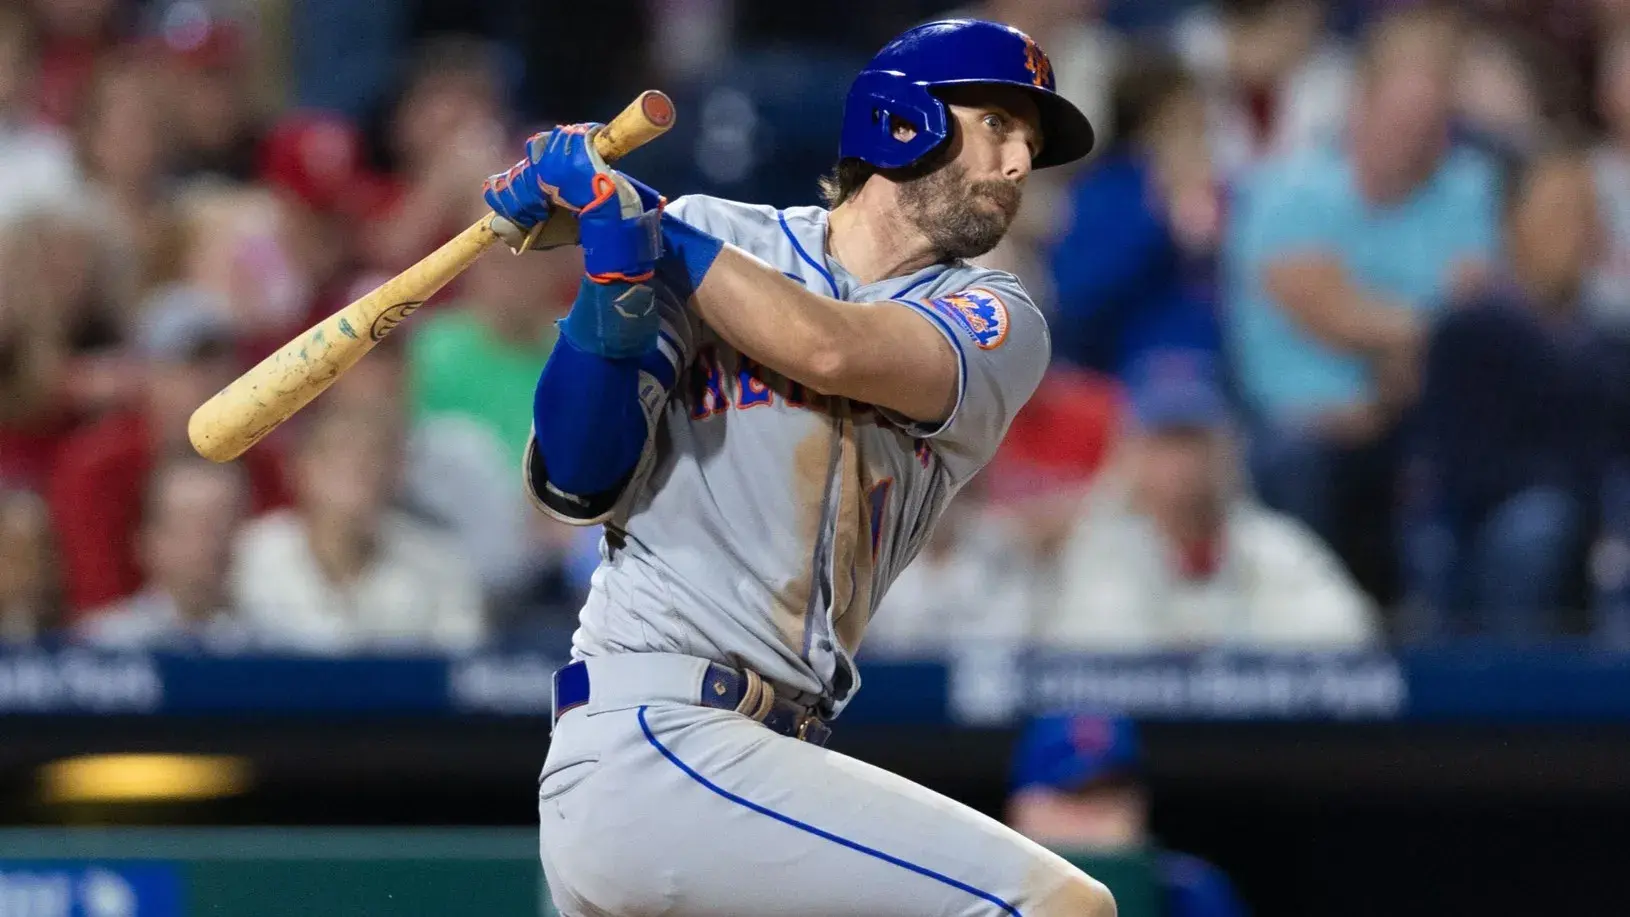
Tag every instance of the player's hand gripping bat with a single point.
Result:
(241, 414)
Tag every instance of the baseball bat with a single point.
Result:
(244, 412)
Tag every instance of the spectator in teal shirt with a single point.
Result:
(468, 358)
(1336, 262)
(472, 367)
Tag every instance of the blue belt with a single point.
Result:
(723, 688)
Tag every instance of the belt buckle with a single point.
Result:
(803, 726)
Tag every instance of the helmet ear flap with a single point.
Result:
(877, 98)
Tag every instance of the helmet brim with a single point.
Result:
(1068, 134)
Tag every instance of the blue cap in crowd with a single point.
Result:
(1176, 389)
(1068, 752)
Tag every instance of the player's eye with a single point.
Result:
(995, 121)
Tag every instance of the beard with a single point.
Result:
(961, 219)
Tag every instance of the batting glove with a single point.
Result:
(619, 219)
(519, 203)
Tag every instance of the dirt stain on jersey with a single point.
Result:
(852, 550)
(834, 442)
(1055, 888)
(811, 468)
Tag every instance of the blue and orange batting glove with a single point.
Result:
(619, 219)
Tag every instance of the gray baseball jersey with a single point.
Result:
(765, 521)
(761, 527)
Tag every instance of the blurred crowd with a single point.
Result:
(1340, 313)
(1344, 300)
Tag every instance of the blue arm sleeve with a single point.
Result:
(688, 253)
(587, 420)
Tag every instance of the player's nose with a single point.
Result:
(1015, 161)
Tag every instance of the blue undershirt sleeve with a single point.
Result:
(597, 398)
(587, 419)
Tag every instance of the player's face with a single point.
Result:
(998, 130)
(965, 206)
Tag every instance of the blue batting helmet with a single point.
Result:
(900, 83)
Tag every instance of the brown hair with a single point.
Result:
(844, 181)
(850, 175)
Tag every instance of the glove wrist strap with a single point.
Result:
(616, 320)
(621, 249)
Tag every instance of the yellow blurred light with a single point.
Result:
(143, 778)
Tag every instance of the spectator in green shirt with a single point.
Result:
(480, 355)
(472, 366)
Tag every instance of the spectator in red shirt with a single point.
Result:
(74, 34)
(101, 474)
(60, 353)
(1052, 453)
(316, 164)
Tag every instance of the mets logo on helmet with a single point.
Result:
(977, 312)
(1035, 61)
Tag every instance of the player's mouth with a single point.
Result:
(1004, 196)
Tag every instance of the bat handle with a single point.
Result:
(641, 121)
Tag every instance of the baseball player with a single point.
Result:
(768, 410)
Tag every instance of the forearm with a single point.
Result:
(877, 353)
(1318, 293)
(778, 322)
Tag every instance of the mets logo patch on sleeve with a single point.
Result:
(977, 312)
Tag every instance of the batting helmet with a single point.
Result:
(900, 83)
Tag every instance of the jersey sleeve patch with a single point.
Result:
(977, 311)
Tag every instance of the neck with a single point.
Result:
(168, 438)
(130, 192)
(18, 620)
(1380, 185)
(873, 240)
(342, 550)
(1192, 528)
(1554, 298)
(1184, 522)
(194, 603)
